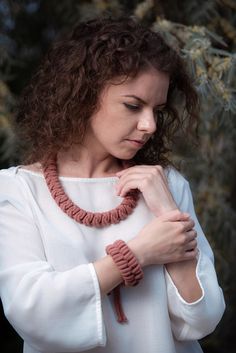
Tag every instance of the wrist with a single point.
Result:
(108, 274)
(138, 250)
(182, 267)
(126, 261)
(164, 210)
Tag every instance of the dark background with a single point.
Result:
(26, 30)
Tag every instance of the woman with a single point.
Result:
(97, 212)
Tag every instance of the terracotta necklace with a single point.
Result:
(92, 219)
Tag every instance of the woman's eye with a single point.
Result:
(132, 106)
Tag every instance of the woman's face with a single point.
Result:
(127, 115)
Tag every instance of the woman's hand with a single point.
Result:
(168, 238)
(152, 182)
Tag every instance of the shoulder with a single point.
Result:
(13, 184)
(9, 181)
(14, 190)
(11, 191)
(34, 167)
(175, 178)
(12, 174)
(8, 175)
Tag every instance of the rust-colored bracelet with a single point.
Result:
(126, 262)
(130, 270)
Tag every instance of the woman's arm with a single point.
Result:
(108, 274)
(195, 300)
(184, 277)
(163, 240)
(53, 311)
(193, 317)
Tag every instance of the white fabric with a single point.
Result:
(49, 288)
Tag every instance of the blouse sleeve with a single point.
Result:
(195, 320)
(53, 311)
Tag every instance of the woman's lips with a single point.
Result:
(136, 143)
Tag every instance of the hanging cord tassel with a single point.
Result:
(130, 270)
(121, 318)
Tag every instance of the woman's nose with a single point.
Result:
(147, 122)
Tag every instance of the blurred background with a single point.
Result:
(205, 35)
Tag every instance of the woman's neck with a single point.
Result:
(84, 165)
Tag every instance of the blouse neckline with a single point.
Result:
(64, 178)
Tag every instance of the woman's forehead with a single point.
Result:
(148, 82)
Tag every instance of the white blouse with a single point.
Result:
(49, 288)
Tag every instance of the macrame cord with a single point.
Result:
(98, 219)
(93, 219)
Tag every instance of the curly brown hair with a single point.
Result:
(65, 91)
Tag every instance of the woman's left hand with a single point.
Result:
(151, 181)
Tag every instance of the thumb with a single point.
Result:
(174, 215)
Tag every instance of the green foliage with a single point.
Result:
(204, 34)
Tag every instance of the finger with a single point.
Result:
(191, 245)
(139, 172)
(191, 234)
(126, 170)
(148, 173)
(151, 173)
(188, 225)
(131, 184)
(127, 179)
(131, 174)
(191, 254)
(143, 168)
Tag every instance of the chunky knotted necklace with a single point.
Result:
(92, 219)
(125, 260)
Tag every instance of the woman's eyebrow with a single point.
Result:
(135, 97)
(162, 105)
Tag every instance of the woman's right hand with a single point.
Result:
(168, 238)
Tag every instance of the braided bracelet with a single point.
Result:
(126, 262)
